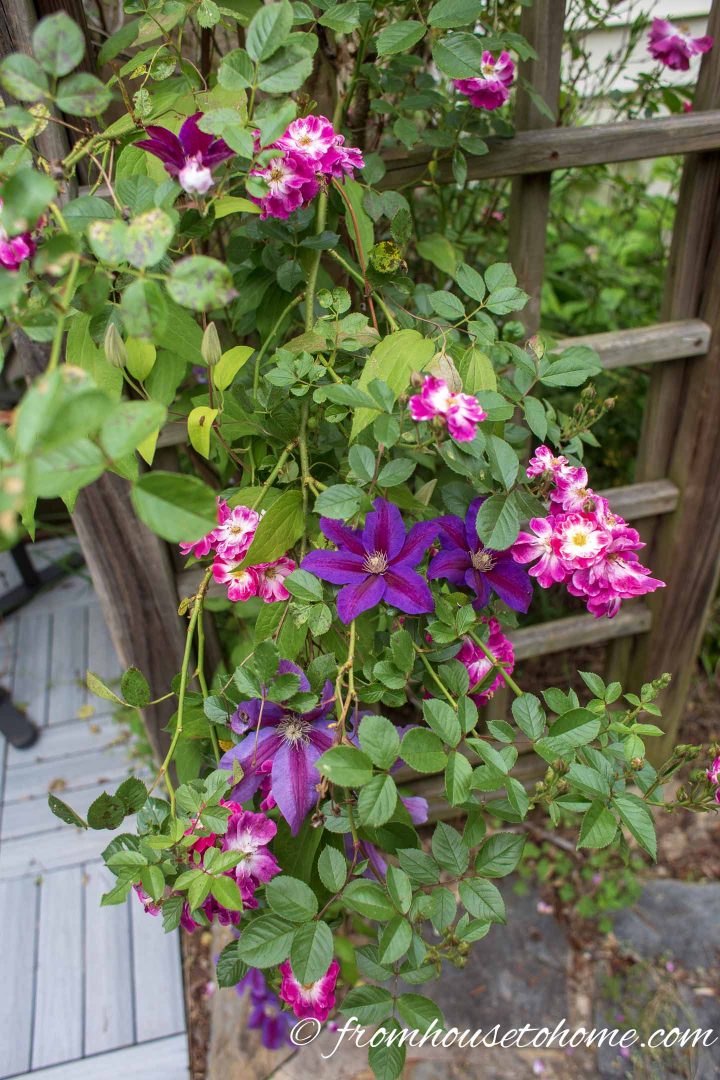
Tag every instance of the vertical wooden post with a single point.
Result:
(681, 431)
(542, 24)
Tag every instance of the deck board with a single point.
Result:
(94, 992)
(59, 999)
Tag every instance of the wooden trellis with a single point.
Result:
(674, 500)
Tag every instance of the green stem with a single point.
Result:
(197, 608)
(320, 220)
(435, 677)
(273, 475)
(497, 665)
(268, 340)
(60, 325)
(203, 683)
(360, 281)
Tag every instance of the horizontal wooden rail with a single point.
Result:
(530, 152)
(569, 633)
(646, 344)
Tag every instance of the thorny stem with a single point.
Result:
(203, 682)
(348, 667)
(359, 248)
(434, 676)
(60, 325)
(274, 474)
(497, 664)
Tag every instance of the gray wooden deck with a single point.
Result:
(88, 992)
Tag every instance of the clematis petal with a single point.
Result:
(192, 139)
(471, 533)
(337, 567)
(452, 531)
(418, 541)
(250, 755)
(478, 583)
(256, 711)
(384, 529)
(354, 599)
(452, 564)
(342, 535)
(408, 591)
(293, 780)
(512, 584)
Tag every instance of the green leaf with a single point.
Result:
(148, 237)
(588, 781)
(235, 73)
(346, 766)
(503, 460)
(278, 530)
(379, 739)
(304, 586)
(128, 425)
(500, 854)
(65, 812)
(574, 728)
(97, 687)
(400, 888)
(362, 462)
(144, 311)
(311, 951)
(483, 900)
(67, 468)
(442, 718)
(269, 29)
(423, 751)
(447, 14)
(332, 869)
(395, 940)
(637, 819)
(458, 778)
(82, 95)
(266, 941)
(200, 425)
(229, 364)
(58, 43)
(598, 826)
(419, 1012)
(370, 1004)
(199, 890)
(420, 866)
(201, 283)
(399, 37)
(26, 196)
(134, 688)
(498, 522)
(476, 371)
(450, 850)
(393, 360)
(387, 1058)
(340, 501)
(291, 898)
(368, 899)
(395, 472)
(446, 305)
(377, 801)
(529, 715)
(133, 794)
(438, 250)
(178, 508)
(469, 280)
(107, 812)
(573, 367)
(23, 77)
(230, 968)
(226, 892)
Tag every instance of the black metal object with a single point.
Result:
(14, 725)
(35, 580)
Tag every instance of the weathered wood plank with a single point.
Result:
(159, 1004)
(68, 664)
(30, 684)
(51, 850)
(28, 817)
(69, 774)
(647, 344)
(58, 1022)
(567, 148)
(18, 902)
(681, 434)
(102, 658)
(165, 1059)
(636, 501)
(67, 740)
(576, 630)
(108, 969)
(542, 24)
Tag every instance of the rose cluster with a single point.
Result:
(582, 543)
(310, 154)
(230, 543)
(713, 775)
(674, 47)
(479, 666)
(14, 250)
(460, 413)
(491, 89)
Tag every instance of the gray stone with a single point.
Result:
(674, 919)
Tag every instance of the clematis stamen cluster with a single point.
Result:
(674, 46)
(229, 543)
(461, 413)
(491, 89)
(310, 154)
(582, 543)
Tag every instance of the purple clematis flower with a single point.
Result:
(191, 155)
(376, 563)
(465, 561)
(284, 744)
(266, 1013)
